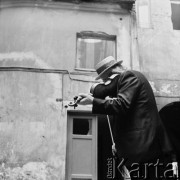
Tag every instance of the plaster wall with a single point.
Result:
(159, 53)
(32, 123)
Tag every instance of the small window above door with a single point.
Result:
(92, 47)
(82, 126)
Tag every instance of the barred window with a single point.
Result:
(143, 13)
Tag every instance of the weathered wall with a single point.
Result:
(32, 122)
(159, 53)
(50, 33)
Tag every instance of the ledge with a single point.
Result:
(112, 6)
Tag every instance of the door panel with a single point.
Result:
(81, 161)
(82, 156)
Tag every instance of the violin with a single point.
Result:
(74, 104)
(104, 89)
(100, 90)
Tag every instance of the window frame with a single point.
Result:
(96, 35)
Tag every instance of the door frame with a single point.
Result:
(81, 114)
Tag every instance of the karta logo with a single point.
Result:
(111, 167)
(158, 170)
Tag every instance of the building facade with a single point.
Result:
(48, 50)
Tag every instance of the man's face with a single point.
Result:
(106, 78)
(113, 70)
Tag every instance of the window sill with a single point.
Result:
(85, 70)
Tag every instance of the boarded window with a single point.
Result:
(143, 13)
(92, 47)
(175, 7)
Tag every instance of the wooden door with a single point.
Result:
(81, 161)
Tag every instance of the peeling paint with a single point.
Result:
(166, 89)
(29, 171)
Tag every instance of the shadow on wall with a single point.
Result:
(170, 115)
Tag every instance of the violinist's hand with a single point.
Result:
(87, 99)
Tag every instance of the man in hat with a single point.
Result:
(139, 134)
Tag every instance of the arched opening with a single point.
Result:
(170, 115)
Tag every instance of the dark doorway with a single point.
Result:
(170, 115)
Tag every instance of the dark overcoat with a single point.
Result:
(138, 131)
